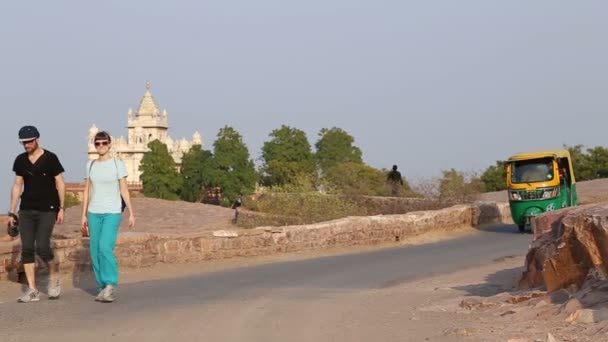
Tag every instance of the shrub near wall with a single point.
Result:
(304, 208)
(281, 209)
(375, 205)
(250, 219)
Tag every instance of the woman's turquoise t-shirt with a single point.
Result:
(105, 190)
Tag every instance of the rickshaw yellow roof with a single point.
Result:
(541, 154)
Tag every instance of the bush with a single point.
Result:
(71, 200)
(396, 205)
(364, 180)
(301, 202)
(459, 187)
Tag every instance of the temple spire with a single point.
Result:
(147, 105)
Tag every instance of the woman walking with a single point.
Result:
(105, 197)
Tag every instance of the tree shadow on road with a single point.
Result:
(495, 283)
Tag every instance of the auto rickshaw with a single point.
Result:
(539, 182)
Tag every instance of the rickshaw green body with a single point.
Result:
(539, 182)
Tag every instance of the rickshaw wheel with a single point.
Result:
(522, 228)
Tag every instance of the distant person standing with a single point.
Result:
(40, 185)
(395, 181)
(236, 205)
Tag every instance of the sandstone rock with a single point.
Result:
(460, 332)
(568, 248)
(571, 306)
(474, 303)
(518, 340)
(581, 316)
(593, 298)
(550, 338)
(588, 316)
(470, 303)
(507, 313)
(515, 299)
(225, 233)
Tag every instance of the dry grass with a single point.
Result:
(280, 209)
(301, 208)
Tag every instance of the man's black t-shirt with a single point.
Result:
(39, 188)
(394, 176)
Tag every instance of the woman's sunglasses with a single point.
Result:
(101, 143)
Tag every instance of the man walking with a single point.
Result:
(39, 182)
(395, 181)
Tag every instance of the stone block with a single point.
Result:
(171, 246)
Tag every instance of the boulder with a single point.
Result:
(570, 248)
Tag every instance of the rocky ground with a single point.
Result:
(484, 305)
(573, 314)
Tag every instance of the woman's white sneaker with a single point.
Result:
(99, 296)
(108, 294)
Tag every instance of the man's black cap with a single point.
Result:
(28, 133)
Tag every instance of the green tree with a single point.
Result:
(590, 163)
(233, 171)
(196, 171)
(336, 146)
(494, 177)
(579, 162)
(159, 177)
(286, 155)
(456, 186)
(597, 162)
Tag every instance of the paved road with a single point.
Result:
(259, 303)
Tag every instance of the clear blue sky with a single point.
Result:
(427, 85)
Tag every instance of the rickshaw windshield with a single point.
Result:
(530, 171)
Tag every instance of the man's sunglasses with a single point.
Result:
(101, 143)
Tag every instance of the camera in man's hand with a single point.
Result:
(13, 229)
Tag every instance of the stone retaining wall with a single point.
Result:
(494, 212)
(136, 249)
